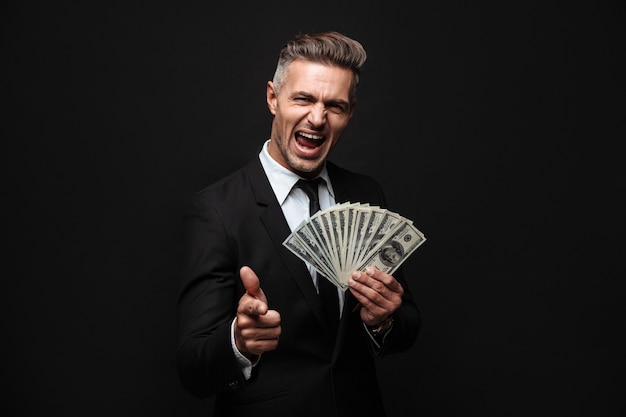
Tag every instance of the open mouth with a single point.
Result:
(306, 140)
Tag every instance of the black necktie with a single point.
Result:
(327, 291)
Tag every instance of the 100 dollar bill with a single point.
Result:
(352, 236)
(390, 253)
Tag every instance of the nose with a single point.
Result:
(317, 115)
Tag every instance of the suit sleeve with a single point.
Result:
(207, 305)
(406, 324)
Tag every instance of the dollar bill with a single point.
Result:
(392, 251)
(352, 236)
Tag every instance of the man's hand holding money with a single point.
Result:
(378, 293)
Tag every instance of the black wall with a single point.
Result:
(498, 127)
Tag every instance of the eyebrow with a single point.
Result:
(309, 95)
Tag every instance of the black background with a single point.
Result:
(498, 127)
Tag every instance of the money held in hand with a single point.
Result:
(352, 236)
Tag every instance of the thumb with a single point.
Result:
(251, 283)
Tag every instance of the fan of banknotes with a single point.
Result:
(352, 236)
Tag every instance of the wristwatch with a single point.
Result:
(382, 327)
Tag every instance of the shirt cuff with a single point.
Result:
(245, 363)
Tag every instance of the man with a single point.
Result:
(252, 328)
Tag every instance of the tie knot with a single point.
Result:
(310, 186)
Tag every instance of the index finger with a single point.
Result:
(251, 306)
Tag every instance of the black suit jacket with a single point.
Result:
(238, 221)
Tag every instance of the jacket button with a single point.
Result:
(233, 385)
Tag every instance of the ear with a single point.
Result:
(270, 96)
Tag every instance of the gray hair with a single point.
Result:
(329, 48)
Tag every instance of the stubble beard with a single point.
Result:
(300, 165)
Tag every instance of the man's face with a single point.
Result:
(311, 111)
